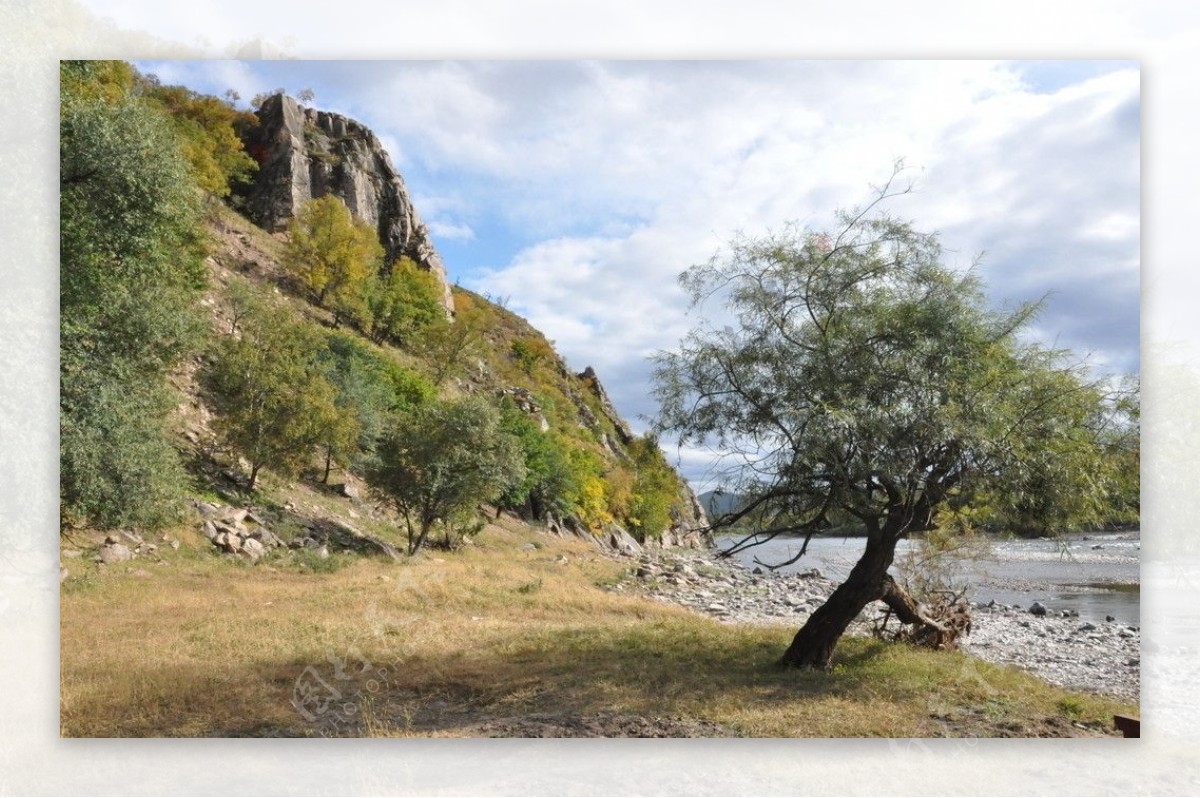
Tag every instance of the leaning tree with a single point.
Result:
(860, 380)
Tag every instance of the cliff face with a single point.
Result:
(304, 153)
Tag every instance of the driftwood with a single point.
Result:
(937, 624)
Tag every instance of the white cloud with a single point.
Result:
(450, 231)
(604, 180)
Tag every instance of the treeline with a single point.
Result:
(375, 390)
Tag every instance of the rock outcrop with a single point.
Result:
(304, 153)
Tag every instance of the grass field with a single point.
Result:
(493, 639)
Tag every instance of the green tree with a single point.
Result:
(334, 254)
(274, 403)
(442, 460)
(549, 481)
(449, 347)
(131, 270)
(369, 390)
(864, 380)
(404, 302)
(208, 128)
(655, 489)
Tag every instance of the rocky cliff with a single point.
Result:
(304, 153)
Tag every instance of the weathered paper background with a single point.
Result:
(34, 35)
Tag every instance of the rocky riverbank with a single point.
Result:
(1065, 651)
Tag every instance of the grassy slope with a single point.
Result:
(211, 647)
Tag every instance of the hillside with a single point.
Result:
(504, 359)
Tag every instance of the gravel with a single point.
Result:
(1097, 657)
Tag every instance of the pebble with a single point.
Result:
(1061, 650)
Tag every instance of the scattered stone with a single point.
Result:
(757, 571)
(527, 547)
(1035, 608)
(323, 552)
(71, 554)
(210, 531)
(1109, 618)
(63, 573)
(141, 574)
(1087, 627)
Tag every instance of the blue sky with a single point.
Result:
(579, 190)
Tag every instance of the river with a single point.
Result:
(1095, 574)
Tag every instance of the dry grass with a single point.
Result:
(447, 641)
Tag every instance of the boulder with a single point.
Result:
(115, 552)
(1036, 608)
(266, 537)
(622, 541)
(208, 509)
(253, 549)
(234, 515)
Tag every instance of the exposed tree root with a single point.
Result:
(937, 625)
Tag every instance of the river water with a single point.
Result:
(1097, 574)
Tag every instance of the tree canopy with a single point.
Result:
(273, 399)
(131, 269)
(334, 254)
(862, 380)
(443, 459)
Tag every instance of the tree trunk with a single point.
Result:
(813, 645)
(253, 475)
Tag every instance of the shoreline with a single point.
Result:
(1099, 657)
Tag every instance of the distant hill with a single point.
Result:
(717, 503)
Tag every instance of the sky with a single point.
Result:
(576, 192)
